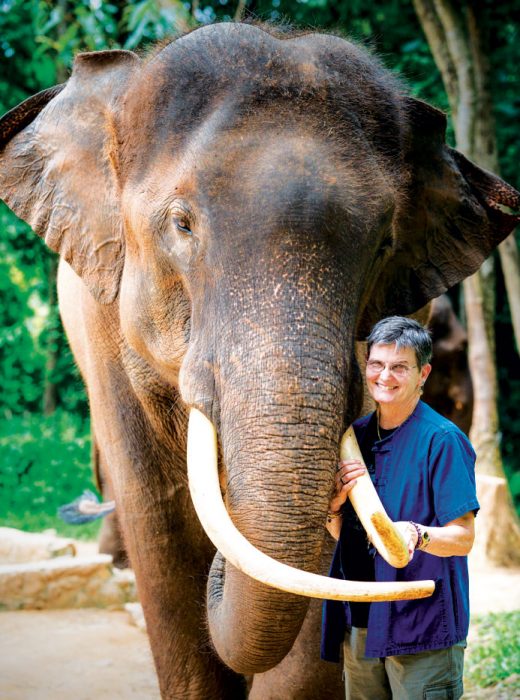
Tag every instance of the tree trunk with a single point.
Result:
(452, 32)
(484, 427)
(511, 268)
(50, 391)
(239, 12)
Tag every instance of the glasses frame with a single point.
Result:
(391, 368)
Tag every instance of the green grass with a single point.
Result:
(493, 656)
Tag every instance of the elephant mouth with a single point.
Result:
(237, 550)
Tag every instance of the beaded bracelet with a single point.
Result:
(333, 514)
(419, 534)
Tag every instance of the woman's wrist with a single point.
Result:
(333, 514)
(423, 536)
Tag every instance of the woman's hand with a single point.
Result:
(347, 473)
(410, 536)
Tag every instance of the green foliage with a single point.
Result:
(64, 28)
(28, 324)
(39, 38)
(510, 427)
(149, 20)
(503, 35)
(508, 372)
(45, 461)
(45, 464)
(494, 654)
(21, 361)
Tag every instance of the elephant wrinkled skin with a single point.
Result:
(232, 214)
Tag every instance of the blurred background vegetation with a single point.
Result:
(44, 424)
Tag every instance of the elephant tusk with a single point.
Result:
(381, 531)
(207, 499)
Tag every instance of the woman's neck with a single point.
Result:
(392, 416)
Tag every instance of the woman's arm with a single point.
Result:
(346, 475)
(455, 539)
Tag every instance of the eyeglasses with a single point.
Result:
(398, 369)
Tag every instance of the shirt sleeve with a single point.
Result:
(453, 476)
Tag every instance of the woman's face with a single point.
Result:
(393, 376)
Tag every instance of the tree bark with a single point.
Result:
(481, 348)
(240, 10)
(50, 390)
(451, 29)
(510, 263)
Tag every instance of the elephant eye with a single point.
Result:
(184, 226)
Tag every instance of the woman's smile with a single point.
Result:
(394, 381)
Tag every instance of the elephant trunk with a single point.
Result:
(272, 371)
(280, 447)
(250, 642)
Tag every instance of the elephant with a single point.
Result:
(110, 540)
(449, 389)
(233, 212)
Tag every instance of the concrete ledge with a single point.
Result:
(65, 582)
(19, 546)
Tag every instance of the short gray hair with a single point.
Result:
(405, 333)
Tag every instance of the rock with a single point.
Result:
(65, 582)
(135, 611)
(18, 546)
(497, 531)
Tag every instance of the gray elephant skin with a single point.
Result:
(232, 213)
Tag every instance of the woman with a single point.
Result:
(422, 467)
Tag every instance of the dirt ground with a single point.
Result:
(90, 653)
(74, 654)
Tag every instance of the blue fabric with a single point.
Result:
(425, 471)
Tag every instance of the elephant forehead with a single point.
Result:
(278, 176)
(314, 80)
(298, 173)
(296, 152)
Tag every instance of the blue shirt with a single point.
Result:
(425, 472)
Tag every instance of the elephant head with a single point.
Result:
(253, 203)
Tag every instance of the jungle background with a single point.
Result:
(463, 57)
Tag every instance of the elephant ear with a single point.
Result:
(58, 167)
(448, 222)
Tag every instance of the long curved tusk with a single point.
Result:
(207, 499)
(380, 529)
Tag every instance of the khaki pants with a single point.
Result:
(428, 675)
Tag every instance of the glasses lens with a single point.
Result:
(375, 366)
(398, 370)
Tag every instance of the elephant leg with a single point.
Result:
(167, 547)
(302, 675)
(140, 434)
(110, 539)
